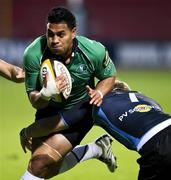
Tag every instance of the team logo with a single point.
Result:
(139, 108)
(142, 108)
(82, 68)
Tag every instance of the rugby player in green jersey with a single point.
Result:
(86, 60)
(11, 72)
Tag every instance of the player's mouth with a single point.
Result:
(57, 49)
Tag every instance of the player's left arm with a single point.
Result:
(105, 71)
(11, 72)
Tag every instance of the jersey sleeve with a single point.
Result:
(32, 68)
(104, 66)
(98, 55)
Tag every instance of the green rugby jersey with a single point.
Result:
(89, 59)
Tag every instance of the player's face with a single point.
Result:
(60, 38)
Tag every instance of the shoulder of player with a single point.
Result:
(33, 51)
(91, 47)
(36, 45)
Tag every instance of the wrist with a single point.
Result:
(101, 94)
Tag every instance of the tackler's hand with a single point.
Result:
(18, 74)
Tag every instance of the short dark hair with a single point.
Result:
(61, 14)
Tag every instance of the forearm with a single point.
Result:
(106, 85)
(11, 72)
(5, 69)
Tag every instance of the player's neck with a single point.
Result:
(68, 56)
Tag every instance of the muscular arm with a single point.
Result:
(106, 85)
(11, 72)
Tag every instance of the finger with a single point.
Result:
(89, 90)
(60, 77)
(61, 85)
(96, 98)
(99, 103)
(92, 101)
(93, 94)
(96, 102)
(19, 73)
(88, 87)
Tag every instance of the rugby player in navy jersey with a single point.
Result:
(139, 123)
(11, 72)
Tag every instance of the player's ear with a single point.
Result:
(74, 32)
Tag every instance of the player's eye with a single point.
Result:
(61, 34)
(50, 34)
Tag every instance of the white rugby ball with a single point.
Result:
(55, 69)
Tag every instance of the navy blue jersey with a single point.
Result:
(127, 116)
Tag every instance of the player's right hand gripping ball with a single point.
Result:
(54, 69)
